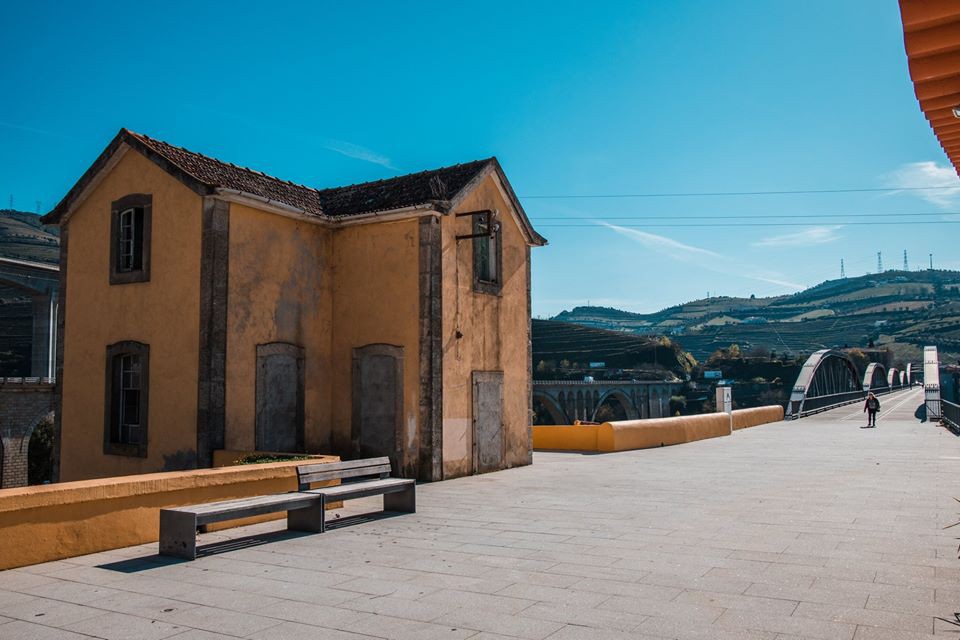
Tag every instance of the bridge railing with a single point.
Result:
(817, 404)
(950, 414)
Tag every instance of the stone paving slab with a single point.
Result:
(811, 529)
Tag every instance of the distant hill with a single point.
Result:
(563, 350)
(23, 237)
(901, 309)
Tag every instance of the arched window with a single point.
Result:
(125, 413)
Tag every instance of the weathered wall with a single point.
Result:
(495, 336)
(163, 313)
(376, 300)
(279, 291)
(50, 522)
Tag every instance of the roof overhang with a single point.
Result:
(493, 168)
(125, 141)
(110, 156)
(931, 37)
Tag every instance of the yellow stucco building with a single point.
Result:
(205, 306)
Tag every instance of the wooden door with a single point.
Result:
(487, 421)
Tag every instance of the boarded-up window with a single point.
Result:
(280, 391)
(487, 421)
(378, 402)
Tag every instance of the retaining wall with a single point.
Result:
(50, 522)
(644, 434)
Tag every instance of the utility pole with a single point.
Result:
(931, 262)
(843, 272)
(11, 201)
(879, 263)
(906, 265)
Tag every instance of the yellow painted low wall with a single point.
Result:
(660, 432)
(50, 522)
(645, 434)
(743, 418)
(566, 437)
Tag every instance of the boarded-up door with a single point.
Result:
(487, 421)
(378, 402)
(280, 383)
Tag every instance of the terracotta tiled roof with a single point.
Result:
(931, 35)
(216, 173)
(206, 175)
(403, 191)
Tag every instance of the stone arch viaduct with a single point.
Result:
(567, 401)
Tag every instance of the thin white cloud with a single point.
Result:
(661, 244)
(928, 174)
(774, 279)
(357, 152)
(807, 237)
(344, 148)
(703, 258)
(43, 132)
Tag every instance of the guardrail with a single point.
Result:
(827, 402)
(832, 401)
(950, 414)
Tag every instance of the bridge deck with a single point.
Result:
(807, 529)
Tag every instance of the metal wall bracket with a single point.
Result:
(490, 219)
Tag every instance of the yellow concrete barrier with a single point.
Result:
(566, 437)
(644, 434)
(743, 418)
(50, 522)
(659, 432)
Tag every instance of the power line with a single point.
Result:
(744, 224)
(730, 193)
(723, 216)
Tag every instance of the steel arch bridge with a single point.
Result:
(875, 378)
(828, 379)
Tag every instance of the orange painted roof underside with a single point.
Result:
(931, 36)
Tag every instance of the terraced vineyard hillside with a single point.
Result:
(23, 237)
(902, 309)
(566, 351)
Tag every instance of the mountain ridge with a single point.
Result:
(894, 307)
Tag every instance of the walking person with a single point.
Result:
(870, 407)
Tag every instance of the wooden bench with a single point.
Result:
(305, 508)
(178, 526)
(359, 479)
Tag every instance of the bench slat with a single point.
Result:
(245, 507)
(344, 464)
(363, 489)
(344, 474)
(340, 470)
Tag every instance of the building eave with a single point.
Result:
(931, 37)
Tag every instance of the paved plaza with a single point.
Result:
(807, 529)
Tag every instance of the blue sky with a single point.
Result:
(574, 98)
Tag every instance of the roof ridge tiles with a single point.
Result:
(225, 162)
(205, 175)
(408, 175)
